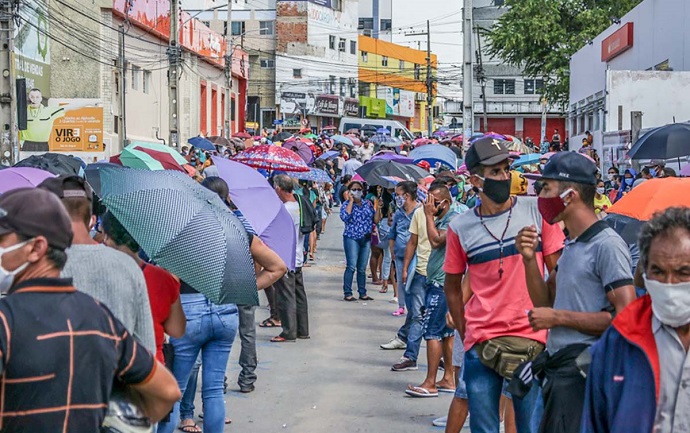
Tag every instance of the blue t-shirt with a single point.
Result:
(359, 222)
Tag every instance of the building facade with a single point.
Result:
(393, 82)
(376, 19)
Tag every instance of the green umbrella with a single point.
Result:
(310, 136)
(186, 229)
(134, 158)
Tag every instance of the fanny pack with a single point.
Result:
(505, 354)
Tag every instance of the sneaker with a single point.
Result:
(405, 365)
(394, 344)
(394, 300)
(440, 422)
(399, 312)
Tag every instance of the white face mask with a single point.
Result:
(610, 176)
(670, 302)
(357, 195)
(7, 277)
(600, 191)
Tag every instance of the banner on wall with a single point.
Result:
(79, 130)
(406, 104)
(351, 107)
(32, 46)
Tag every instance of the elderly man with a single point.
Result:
(61, 350)
(638, 379)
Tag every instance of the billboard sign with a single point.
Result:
(32, 46)
(406, 104)
(328, 105)
(351, 107)
(620, 41)
(76, 127)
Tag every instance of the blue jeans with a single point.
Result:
(484, 388)
(210, 330)
(386, 266)
(187, 402)
(356, 256)
(402, 289)
(412, 330)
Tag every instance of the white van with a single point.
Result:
(369, 126)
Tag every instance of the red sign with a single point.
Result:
(619, 42)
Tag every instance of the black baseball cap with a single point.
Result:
(36, 212)
(487, 151)
(68, 187)
(568, 167)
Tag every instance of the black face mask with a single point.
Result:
(498, 191)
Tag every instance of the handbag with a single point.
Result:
(505, 354)
(375, 235)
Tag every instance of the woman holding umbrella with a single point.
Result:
(359, 217)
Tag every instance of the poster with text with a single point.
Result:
(79, 130)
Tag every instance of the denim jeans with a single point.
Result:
(386, 265)
(401, 288)
(187, 402)
(210, 330)
(484, 388)
(356, 256)
(412, 330)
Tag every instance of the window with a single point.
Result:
(341, 45)
(353, 87)
(147, 82)
(384, 61)
(343, 86)
(297, 73)
(364, 89)
(237, 28)
(337, 5)
(533, 86)
(366, 24)
(268, 63)
(504, 87)
(266, 27)
(353, 47)
(136, 77)
(417, 72)
(386, 25)
(331, 84)
(331, 42)
(401, 65)
(365, 57)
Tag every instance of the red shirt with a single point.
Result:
(164, 289)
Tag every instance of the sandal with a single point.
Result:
(349, 299)
(366, 298)
(189, 428)
(383, 290)
(279, 339)
(269, 323)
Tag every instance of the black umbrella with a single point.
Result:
(665, 142)
(92, 172)
(374, 172)
(628, 228)
(62, 165)
(282, 136)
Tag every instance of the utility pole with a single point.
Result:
(429, 79)
(481, 78)
(467, 104)
(228, 72)
(122, 68)
(8, 102)
(174, 55)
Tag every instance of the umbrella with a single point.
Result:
(167, 213)
(311, 136)
(341, 139)
(390, 156)
(258, 202)
(92, 172)
(626, 227)
(421, 191)
(685, 172)
(373, 172)
(282, 136)
(383, 131)
(162, 148)
(652, 196)
(243, 135)
(530, 158)
(202, 143)
(219, 141)
(22, 177)
(665, 142)
(56, 163)
(329, 154)
(315, 175)
(305, 131)
(355, 139)
(134, 156)
(421, 141)
(386, 141)
(435, 153)
(272, 158)
(329, 128)
(301, 148)
(352, 131)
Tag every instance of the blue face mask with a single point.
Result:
(454, 191)
(652, 171)
(629, 181)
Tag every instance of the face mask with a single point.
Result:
(670, 302)
(454, 191)
(610, 176)
(467, 187)
(652, 172)
(399, 201)
(600, 191)
(357, 195)
(497, 190)
(551, 207)
(541, 167)
(7, 277)
(629, 181)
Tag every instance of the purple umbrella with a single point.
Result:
(301, 148)
(22, 177)
(257, 200)
(391, 156)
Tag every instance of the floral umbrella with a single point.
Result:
(270, 157)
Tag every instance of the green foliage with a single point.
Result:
(540, 36)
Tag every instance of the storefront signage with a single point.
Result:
(327, 104)
(351, 107)
(616, 44)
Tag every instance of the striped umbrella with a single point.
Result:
(167, 213)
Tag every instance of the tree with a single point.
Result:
(540, 36)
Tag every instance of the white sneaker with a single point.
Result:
(394, 300)
(395, 344)
(440, 422)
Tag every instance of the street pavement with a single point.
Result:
(340, 380)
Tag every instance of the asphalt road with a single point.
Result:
(339, 381)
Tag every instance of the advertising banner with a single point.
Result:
(386, 93)
(406, 104)
(351, 107)
(298, 103)
(328, 105)
(32, 47)
(68, 128)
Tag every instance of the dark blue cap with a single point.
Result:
(568, 167)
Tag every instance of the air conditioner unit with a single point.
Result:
(420, 97)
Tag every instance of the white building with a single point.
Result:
(372, 12)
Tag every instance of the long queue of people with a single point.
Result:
(527, 304)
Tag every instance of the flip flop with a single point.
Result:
(383, 290)
(192, 428)
(366, 298)
(269, 323)
(419, 392)
(350, 299)
(279, 339)
(448, 390)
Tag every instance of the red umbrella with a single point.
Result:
(355, 140)
(271, 157)
(166, 160)
(329, 128)
(242, 135)
(353, 131)
(302, 139)
(305, 130)
(115, 159)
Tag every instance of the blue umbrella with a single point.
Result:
(329, 154)
(435, 153)
(530, 158)
(383, 131)
(315, 175)
(202, 143)
(342, 139)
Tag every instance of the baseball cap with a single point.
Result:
(487, 151)
(35, 212)
(655, 162)
(568, 167)
(424, 165)
(68, 187)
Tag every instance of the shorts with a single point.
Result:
(434, 320)
(458, 361)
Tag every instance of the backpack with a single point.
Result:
(307, 215)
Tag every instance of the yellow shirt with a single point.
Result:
(601, 204)
(39, 123)
(418, 227)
